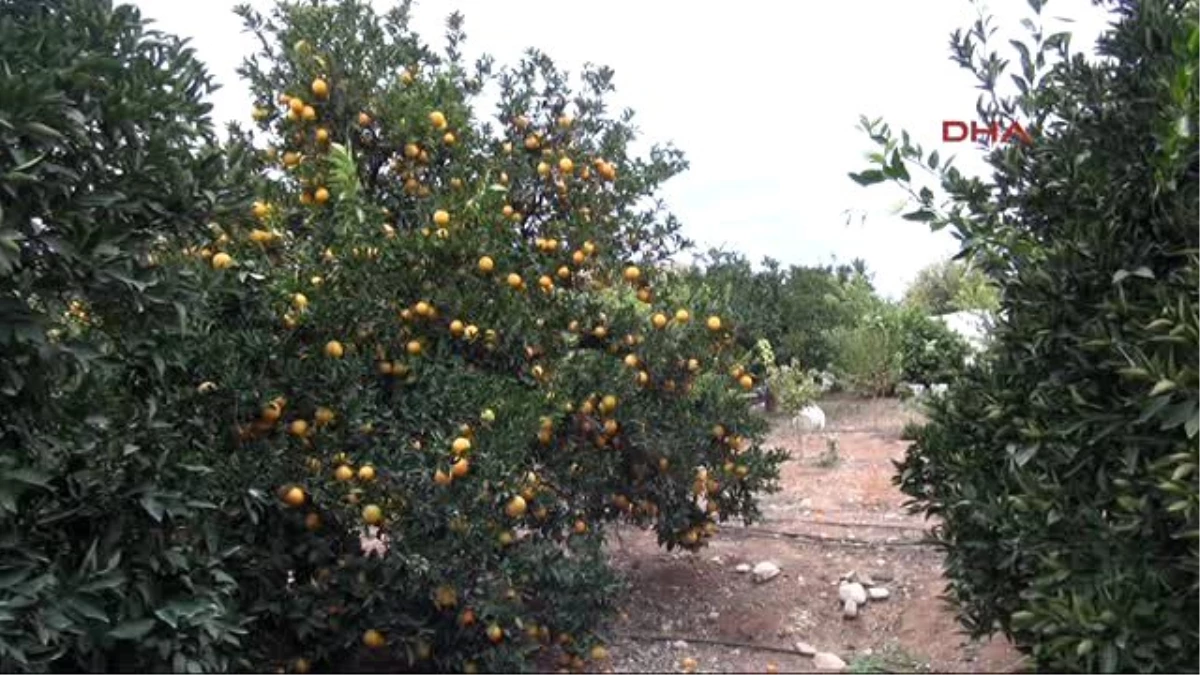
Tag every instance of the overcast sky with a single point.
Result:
(762, 96)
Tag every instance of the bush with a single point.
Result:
(929, 351)
(868, 357)
(1064, 466)
(107, 557)
(450, 330)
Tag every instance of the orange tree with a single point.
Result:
(108, 156)
(448, 330)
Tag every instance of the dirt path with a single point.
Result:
(695, 597)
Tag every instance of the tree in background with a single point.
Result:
(1063, 466)
(952, 286)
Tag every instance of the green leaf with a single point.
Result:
(920, 216)
(1162, 387)
(868, 177)
(132, 630)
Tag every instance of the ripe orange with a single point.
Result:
(334, 349)
(718, 431)
(364, 119)
(441, 477)
(516, 507)
(290, 159)
(298, 428)
(309, 113)
(437, 119)
(296, 105)
(659, 320)
(406, 76)
(457, 328)
(564, 121)
(632, 273)
(294, 497)
(514, 280)
(495, 633)
(746, 382)
(505, 538)
(565, 165)
(343, 473)
(608, 403)
(486, 264)
(299, 301)
(589, 248)
(372, 514)
(460, 468)
(543, 169)
(449, 139)
(713, 323)
(322, 136)
(319, 88)
(631, 360)
(323, 416)
(321, 195)
(373, 639)
(441, 218)
(532, 142)
(222, 261)
(312, 522)
(578, 257)
(413, 348)
(460, 446)
(688, 664)
(580, 527)
(467, 618)
(682, 316)
(366, 473)
(271, 412)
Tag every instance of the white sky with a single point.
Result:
(763, 98)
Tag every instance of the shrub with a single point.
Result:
(868, 357)
(450, 330)
(791, 386)
(107, 557)
(1064, 466)
(929, 351)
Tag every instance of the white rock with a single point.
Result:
(866, 580)
(878, 593)
(742, 568)
(765, 571)
(679, 644)
(805, 649)
(850, 610)
(713, 616)
(827, 661)
(806, 503)
(852, 592)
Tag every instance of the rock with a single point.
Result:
(850, 610)
(679, 644)
(852, 591)
(713, 616)
(806, 503)
(827, 661)
(805, 649)
(716, 560)
(878, 593)
(765, 571)
(742, 568)
(849, 577)
(880, 562)
(866, 580)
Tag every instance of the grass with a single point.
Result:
(891, 658)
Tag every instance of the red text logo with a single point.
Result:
(956, 131)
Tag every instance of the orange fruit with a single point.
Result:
(319, 88)
(460, 446)
(334, 349)
(323, 416)
(222, 261)
(631, 360)
(413, 348)
(632, 273)
(599, 653)
(312, 522)
(366, 473)
(363, 119)
(309, 113)
(343, 473)
(608, 403)
(441, 218)
(467, 618)
(321, 195)
(449, 139)
(460, 468)
(296, 105)
(713, 323)
(682, 316)
(746, 382)
(516, 507)
(495, 633)
(322, 136)
(580, 527)
(294, 497)
(514, 280)
(659, 320)
(372, 514)
(457, 328)
(373, 639)
(298, 428)
(565, 165)
(437, 119)
(441, 477)
(486, 264)
(271, 412)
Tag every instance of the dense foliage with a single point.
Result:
(1064, 466)
(440, 333)
(952, 286)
